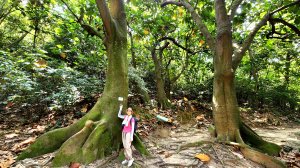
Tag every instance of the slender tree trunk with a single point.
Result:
(168, 86)
(133, 57)
(160, 86)
(287, 69)
(36, 29)
(254, 75)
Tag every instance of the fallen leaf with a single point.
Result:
(6, 159)
(200, 117)
(37, 129)
(167, 154)
(9, 136)
(203, 157)
(17, 147)
(9, 104)
(74, 165)
(161, 152)
(84, 108)
(41, 128)
(193, 108)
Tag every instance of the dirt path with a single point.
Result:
(281, 136)
(164, 145)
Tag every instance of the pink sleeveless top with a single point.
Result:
(129, 127)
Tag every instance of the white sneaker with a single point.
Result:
(124, 162)
(130, 162)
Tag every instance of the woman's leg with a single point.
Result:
(127, 146)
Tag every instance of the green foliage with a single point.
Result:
(269, 94)
(28, 82)
(68, 64)
(134, 76)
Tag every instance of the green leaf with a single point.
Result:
(59, 46)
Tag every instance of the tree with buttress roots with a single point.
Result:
(98, 133)
(228, 125)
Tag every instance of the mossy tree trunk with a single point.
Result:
(98, 133)
(228, 125)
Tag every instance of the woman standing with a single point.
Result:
(127, 134)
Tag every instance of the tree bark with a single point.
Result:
(225, 107)
(160, 85)
(98, 133)
(254, 76)
(287, 69)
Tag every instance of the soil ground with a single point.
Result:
(167, 143)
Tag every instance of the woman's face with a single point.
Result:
(129, 111)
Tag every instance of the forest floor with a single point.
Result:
(173, 144)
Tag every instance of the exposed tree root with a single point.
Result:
(266, 160)
(52, 140)
(254, 147)
(73, 149)
(193, 144)
(164, 103)
(91, 138)
(252, 139)
(138, 144)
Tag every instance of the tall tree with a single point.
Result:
(97, 134)
(228, 124)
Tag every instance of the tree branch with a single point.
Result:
(71, 10)
(186, 63)
(294, 28)
(283, 38)
(176, 43)
(197, 18)
(89, 29)
(4, 15)
(284, 7)
(165, 3)
(233, 8)
(105, 16)
(239, 53)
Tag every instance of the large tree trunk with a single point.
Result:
(225, 107)
(98, 133)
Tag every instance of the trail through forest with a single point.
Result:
(171, 145)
